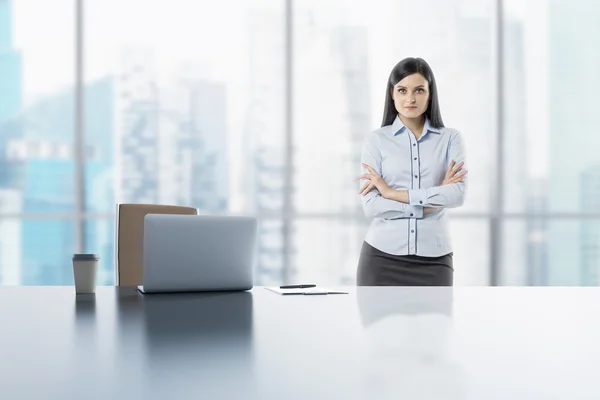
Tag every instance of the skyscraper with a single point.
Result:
(10, 89)
(537, 234)
(10, 105)
(264, 133)
(10, 66)
(137, 128)
(341, 124)
(10, 238)
(42, 164)
(209, 186)
(100, 137)
(194, 119)
(516, 187)
(589, 243)
(574, 133)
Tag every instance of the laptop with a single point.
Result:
(198, 253)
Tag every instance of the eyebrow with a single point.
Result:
(416, 87)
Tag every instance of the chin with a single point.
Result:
(411, 114)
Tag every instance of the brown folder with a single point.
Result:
(129, 249)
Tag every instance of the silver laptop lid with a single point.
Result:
(198, 252)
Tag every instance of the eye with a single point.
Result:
(420, 90)
(401, 90)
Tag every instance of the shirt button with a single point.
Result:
(414, 144)
(412, 231)
(416, 176)
(420, 201)
(411, 214)
(415, 158)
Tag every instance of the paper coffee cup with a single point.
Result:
(85, 268)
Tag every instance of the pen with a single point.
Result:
(296, 286)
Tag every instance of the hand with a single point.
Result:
(374, 181)
(428, 209)
(451, 174)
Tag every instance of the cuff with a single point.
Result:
(417, 197)
(415, 212)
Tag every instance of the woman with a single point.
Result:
(412, 171)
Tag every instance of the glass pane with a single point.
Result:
(551, 252)
(37, 104)
(36, 251)
(11, 251)
(99, 145)
(551, 132)
(100, 239)
(471, 243)
(344, 52)
(326, 251)
(190, 113)
(269, 253)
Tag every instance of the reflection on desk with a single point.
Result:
(407, 344)
(201, 336)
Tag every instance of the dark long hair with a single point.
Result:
(406, 67)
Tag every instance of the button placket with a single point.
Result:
(415, 163)
(412, 238)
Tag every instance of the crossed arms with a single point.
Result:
(381, 201)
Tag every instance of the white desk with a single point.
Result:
(375, 343)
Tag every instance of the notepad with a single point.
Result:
(304, 291)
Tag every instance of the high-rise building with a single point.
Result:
(11, 92)
(515, 269)
(589, 240)
(537, 234)
(99, 169)
(42, 163)
(10, 238)
(331, 115)
(32, 152)
(574, 133)
(10, 105)
(210, 169)
(350, 48)
(10, 66)
(194, 120)
(331, 138)
(137, 136)
(264, 134)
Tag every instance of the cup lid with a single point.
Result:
(83, 257)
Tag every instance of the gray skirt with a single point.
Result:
(376, 268)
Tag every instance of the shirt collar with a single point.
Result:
(398, 127)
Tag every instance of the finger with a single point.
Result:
(461, 174)
(459, 177)
(455, 170)
(362, 189)
(458, 167)
(371, 170)
(368, 189)
(365, 176)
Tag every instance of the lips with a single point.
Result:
(411, 108)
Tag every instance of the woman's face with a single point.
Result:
(411, 96)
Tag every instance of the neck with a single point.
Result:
(414, 124)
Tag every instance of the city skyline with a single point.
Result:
(208, 130)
